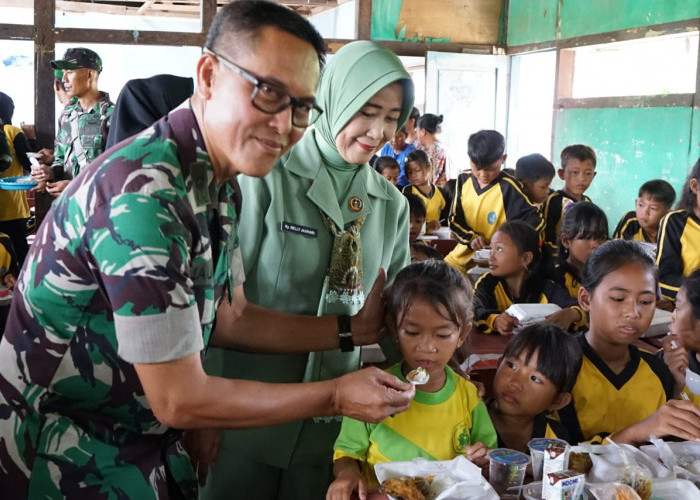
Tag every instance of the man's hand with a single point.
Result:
(368, 324)
(56, 188)
(371, 395)
(202, 445)
(46, 156)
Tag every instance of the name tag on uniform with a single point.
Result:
(290, 227)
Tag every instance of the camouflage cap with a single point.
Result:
(79, 57)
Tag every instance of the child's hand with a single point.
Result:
(476, 453)
(9, 281)
(347, 480)
(676, 358)
(432, 225)
(505, 323)
(675, 418)
(478, 243)
(564, 318)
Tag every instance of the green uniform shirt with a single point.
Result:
(93, 127)
(128, 267)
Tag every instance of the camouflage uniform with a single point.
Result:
(93, 125)
(128, 268)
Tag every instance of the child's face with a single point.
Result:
(579, 250)
(682, 323)
(416, 227)
(398, 142)
(506, 259)
(428, 339)
(391, 174)
(649, 212)
(622, 305)
(577, 176)
(485, 174)
(537, 191)
(415, 173)
(522, 390)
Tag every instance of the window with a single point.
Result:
(649, 66)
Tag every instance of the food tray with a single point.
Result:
(22, 183)
(469, 481)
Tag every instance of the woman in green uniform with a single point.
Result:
(314, 235)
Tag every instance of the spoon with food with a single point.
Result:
(418, 376)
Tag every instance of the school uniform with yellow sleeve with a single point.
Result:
(436, 208)
(629, 229)
(555, 206)
(480, 211)
(605, 402)
(491, 298)
(678, 252)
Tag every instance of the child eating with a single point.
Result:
(621, 391)
(682, 345)
(429, 312)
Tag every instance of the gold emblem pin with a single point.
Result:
(355, 203)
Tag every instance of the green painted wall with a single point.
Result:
(633, 145)
(533, 21)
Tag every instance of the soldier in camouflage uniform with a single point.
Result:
(101, 358)
(84, 122)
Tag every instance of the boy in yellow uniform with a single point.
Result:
(485, 198)
(654, 200)
(578, 163)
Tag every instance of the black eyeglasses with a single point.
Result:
(271, 99)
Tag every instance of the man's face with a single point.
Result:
(78, 81)
(239, 137)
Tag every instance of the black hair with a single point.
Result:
(383, 163)
(415, 114)
(611, 256)
(435, 282)
(430, 123)
(486, 147)
(7, 108)
(427, 250)
(532, 168)
(584, 221)
(559, 355)
(239, 23)
(688, 199)
(416, 206)
(691, 283)
(659, 190)
(420, 157)
(526, 239)
(580, 152)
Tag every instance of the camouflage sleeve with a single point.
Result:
(61, 146)
(142, 250)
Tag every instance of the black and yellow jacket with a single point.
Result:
(555, 206)
(491, 298)
(605, 402)
(629, 229)
(678, 252)
(436, 206)
(566, 276)
(480, 211)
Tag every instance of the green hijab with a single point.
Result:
(352, 77)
